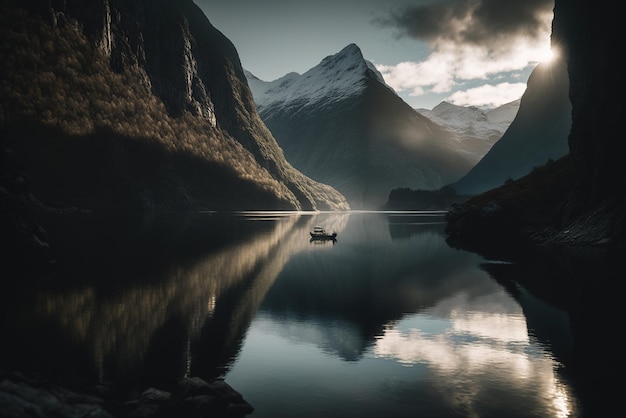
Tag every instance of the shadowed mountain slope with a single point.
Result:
(537, 135)
(340, 124)
(138, 104)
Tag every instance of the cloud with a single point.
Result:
(488, 95)
(469, 40)
(477, 22)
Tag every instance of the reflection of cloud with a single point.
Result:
(503, 327)
(477, 346)
(448, 352)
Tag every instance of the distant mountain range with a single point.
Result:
(477, 129)
(340, 124)
(537, 135)
(111, 112)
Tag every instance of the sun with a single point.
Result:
(548, 55)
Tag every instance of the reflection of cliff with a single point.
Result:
(192, 310)
(549, 324)
(226, 326)
(576, 283)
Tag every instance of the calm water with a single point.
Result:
(386, 321)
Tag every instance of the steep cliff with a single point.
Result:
(581, 198)
(571, 212)
(138, 104)
(596, 137)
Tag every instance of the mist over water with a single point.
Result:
(387, 320)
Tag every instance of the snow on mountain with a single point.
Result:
(342, 125)
(504, 115)
(470, 121)
(337, 76)
(476, 130)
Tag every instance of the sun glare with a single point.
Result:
(548, 55)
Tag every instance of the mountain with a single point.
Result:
(336, 78)
(538, 133)
(340, 124)
(570, 212)
(138, 104)
(477, 129)
(577, 200)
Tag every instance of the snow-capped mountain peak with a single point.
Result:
(350, 62)
(336, 77)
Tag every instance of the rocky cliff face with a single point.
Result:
(596, 136)
(139, 104)
(571, 212)
(580, 199)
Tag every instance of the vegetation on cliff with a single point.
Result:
(95, 132)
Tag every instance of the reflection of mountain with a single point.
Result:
(170, 297)
(548, 324)
(417, 327)
(366, 282)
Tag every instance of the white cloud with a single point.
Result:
(450, 66)
(488, 95)
(469, 45)
(416, 78)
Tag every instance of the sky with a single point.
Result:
(467, 52)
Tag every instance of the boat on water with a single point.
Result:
(319, 232)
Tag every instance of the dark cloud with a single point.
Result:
(471, 21)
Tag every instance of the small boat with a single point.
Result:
(319, 232)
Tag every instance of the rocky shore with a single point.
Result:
(30, 396)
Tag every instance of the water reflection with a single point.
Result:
(386, 321)
(132, 318)
(369, 279)
(477, 358)
(581, 321)
(384, 298)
